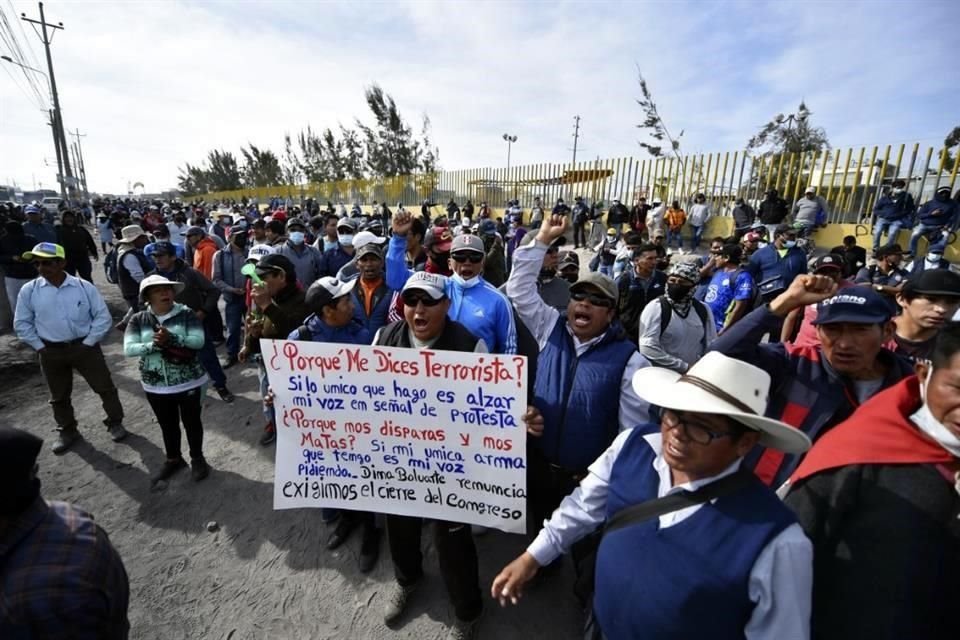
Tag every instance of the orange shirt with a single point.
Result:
(675, 218)
(369, 288)
(203, 257)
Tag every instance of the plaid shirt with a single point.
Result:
(60, 577)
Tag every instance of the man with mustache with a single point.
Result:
(816, 387)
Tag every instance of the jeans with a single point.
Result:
(173, 408)
(457, 555)
(268, 411)
(892, 228)
(696, 237)
(234, 312)
(208, 358)
(921, 230)
(58, 364)
(13, 286)
(579, 234)
(674, 235)
(607, 270)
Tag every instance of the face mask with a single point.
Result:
(789, 244)
(329, 244)
(924, 419)
(678, 292)
(897, 192)
(297, 237)
(346, 239)
(933, 257)
(466, 284)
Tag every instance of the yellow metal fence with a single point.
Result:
(850, 179)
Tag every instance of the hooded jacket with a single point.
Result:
(946, 218)
(876, 497)
(203, 254)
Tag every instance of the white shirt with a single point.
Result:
(540, 318)
(781, 580)
(681, 343)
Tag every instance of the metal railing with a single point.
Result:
(850, 179)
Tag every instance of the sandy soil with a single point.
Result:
(264, 573)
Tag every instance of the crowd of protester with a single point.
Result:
(751, 442)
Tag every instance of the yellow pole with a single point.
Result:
(953, 174)
(724, 195)
(779, 172)
(940, 165)
(856, 183)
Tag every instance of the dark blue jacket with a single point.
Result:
(320, 331)
(379, 310)
(706, 559)
(805, 391)
(766, 264)
(947, 218)
(891, 207)
(579, 397)
(333, 260)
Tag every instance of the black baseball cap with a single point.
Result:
(933, 282)
(828, 261)
(861, 305)
(273, 263)
(164, 248)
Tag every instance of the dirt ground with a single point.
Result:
(263, 573)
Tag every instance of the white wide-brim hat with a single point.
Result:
(725, 386)
(159, 281)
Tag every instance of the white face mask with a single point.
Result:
(933, 257)
(927, 423)
(346, 238)
(466, 284)
(329, 244)
(897, 192)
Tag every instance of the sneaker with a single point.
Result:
(269, 435)
(369, 548)
(462, 630)
(65, 439)
(199, 469)
(169, 468)
(117, 432)
(230, 362)
(225, 394)
(397, 599)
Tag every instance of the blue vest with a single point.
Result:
(379, 311)
(579, 397)
(689, 580)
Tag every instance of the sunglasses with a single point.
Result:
(592, 298)
(471, 257)
(44, 263)
(412, 299)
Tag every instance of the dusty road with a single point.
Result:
(264, 573)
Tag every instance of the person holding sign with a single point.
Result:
(473, 301)
(584, 372)
(279, 308)
(426, 325)
(694, 545)
(333, 319)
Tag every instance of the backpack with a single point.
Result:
(666, 313)
(110, 269)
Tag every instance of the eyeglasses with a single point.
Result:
(471, 257)
(693, 429)
(593, 298)
(413, 298)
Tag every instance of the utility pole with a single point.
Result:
(56, 145)
(81, 166)
(576, 137)
(67, 174)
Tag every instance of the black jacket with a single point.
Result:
(199, 293)
(14, 246)
(77, 243)
(633, 299)
(743, 216)
(454, 337)
(773, 210)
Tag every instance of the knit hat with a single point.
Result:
(685, 270)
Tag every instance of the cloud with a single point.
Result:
(158, 84)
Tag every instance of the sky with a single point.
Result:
(155, 84)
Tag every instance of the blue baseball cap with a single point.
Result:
(861, 305)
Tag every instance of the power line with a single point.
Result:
(12, 43)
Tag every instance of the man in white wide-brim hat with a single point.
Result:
(722, 557)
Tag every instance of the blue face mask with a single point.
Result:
(329, 244)
(789, 244)
(346, 239)
(297, 237)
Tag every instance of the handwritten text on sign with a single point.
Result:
(436, 434)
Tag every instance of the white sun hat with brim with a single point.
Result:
(725, 386)
(159, 281)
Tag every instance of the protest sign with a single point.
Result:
(435, 434)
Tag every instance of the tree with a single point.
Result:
(192, 180)
(391, 149)
(223, 174)
(792, 133)
(261, 168)
(290, 170)
(951, 141)
(655, 124)
(353, 158)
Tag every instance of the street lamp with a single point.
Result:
(509, 140)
